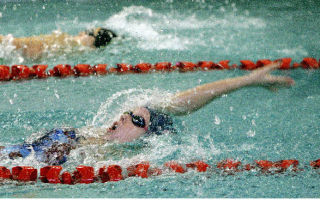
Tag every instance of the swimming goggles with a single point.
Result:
(136, 120)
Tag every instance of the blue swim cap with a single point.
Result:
(159, 122)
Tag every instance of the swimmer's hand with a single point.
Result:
(262, 76)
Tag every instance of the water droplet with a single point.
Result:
(251, 133)
(253, 122)
(217, 120)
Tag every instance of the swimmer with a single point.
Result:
(54, 147)
(33, 47)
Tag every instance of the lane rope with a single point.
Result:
(87, 174)
(39, 71)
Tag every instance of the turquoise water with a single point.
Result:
(248, 124)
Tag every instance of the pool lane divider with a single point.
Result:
(23, 72)
(86, 174)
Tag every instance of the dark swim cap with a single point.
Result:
(103, 37)
(159, 122)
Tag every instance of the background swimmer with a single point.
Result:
(54, 147)
(33, 47)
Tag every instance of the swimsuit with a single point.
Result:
(52, 148)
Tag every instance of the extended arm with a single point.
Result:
(193, 99)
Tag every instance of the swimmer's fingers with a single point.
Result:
(279, 80)
(260, 72)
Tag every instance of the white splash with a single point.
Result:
(217, 120)
(293, 52)
(8, 51)
(251, 133)
(155, 30)
(127, 100)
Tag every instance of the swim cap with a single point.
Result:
(159, 122)
(102, 37)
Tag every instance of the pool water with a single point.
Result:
(249, 124)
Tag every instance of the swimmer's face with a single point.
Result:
(124, 130)
(86, 39)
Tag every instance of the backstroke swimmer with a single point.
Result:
(33, 47)
(55, 145)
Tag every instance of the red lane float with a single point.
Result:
(83, 174)
(224, 64)
(228, 165)
(310, 63)
(24, 173)
(200, 166)
(142, 67)
(247, 65)
(285, 164)
(186, 66)
(110, 173)
(100, 69)
(285, 63)
(86, 174)
(124, 68)
(5, 173)
(62, 70)
(174, 166)
(66, 178)
(40, 71)
(206, 65)
(263, 62)
(140, 170)
(4, 73)
(19, 72)
(50, 174)
(315, 164)
(113, 70)
(82, 70)
(264, 165)
(163, 66)
(23, 72)
(296, 65)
